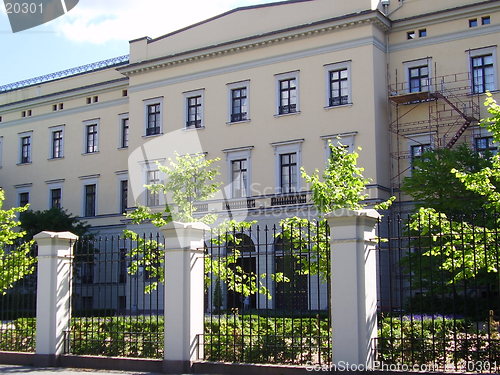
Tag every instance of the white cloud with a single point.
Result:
(98, 21)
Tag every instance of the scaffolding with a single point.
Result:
(440, 112)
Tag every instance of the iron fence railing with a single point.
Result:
(117, 299)
(267, 295)
(18, 306)
(439, 293)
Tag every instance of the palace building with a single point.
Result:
(264, 88)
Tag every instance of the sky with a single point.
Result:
(97, 30)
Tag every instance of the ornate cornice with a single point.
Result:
(274, 38)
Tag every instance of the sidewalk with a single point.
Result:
(11, 369)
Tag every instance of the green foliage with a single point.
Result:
(18, 335)
(433, 184)
(428, 340)
(466, 247)
(486, 181)
(16, 260)
(55, 220)
(340, 186)
(226, 267)
(462, 249)
(258, 339)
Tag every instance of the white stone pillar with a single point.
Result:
(184, 294)
(53, 302)
(353, 285)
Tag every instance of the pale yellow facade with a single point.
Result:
(256, 49)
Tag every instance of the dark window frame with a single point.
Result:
(194, 115)
(480, 73)
(24, 198)
(418, 78)
(153, 124)
(239, 178)
(57, 144)
(123, 196)
(25, 149)
(338, 84)
(124, 130)
(288, 96)
(90, 200)
(56, 198)
(288, 162)
(239, 104)
(91, 138)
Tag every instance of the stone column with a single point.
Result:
(54, 286)
(353, 285)
(184, 294)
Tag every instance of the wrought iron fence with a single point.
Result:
(117, 299)
(18, 304)
(267, 295)
(439, 288)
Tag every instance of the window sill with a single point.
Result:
(287, 114)
(152, 135)
(237, 122)
(191, 128)
(50, 159)
(28, 163)
(89, 153)
(338, 106)
(122, 148)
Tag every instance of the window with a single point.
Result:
(122, 276)
(288, 172)
(418, 74)
(124, 130)
(422, 33)
(124, 92)
(25, 152)
(416, 151)
(123, 195)
(194, 112)
(56, 143)
(194, 109)
(1, 151)
(485, 145)
(473, 22)
(486, 20)
(239, 178)
(419, 78)
(341, 139)
(90, 192)
(239, 106)
(24, 198)
(287, 163)
(152, 198)
(153, 121)
(56, 198)
(239, 170)
(483, 75)
(410, 35)
(339, 87)
(90, 138)
(27, 113)
(57, 107)
(288, 96)
(287, 93)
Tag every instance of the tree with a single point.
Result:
(190, 179)
(16, 260)
(464, 247)
(340, 186)
(55, 220)
(433, 184)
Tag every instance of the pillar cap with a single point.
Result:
(345, 212)
(55, 235)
